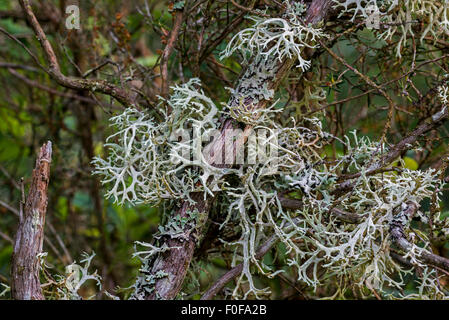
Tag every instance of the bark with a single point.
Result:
(25, 284)
(53, 69)
(175, 262)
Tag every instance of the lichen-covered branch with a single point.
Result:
(398, 226)
(327, 232)
(394, 152)
(290, 204)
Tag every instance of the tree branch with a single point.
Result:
(167, 287)
(397, 235)
(178, 17)
(54, 70)
(25, 284)
(344, 216)
(429, 124)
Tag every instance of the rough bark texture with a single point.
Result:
(175, 262)
(25, 284)
(398, 237)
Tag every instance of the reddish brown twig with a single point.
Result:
(54, 70)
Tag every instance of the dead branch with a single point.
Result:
(25, 284)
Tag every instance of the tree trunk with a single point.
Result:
(25, 284)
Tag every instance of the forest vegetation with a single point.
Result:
(224, 149)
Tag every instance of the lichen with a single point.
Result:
(147, 163)
(313, 237)
(150, 163)
(397, 18)
(67, 286)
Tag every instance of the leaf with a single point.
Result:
(410, 163)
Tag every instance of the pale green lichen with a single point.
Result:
(5, 290)
(398, 17)
(147, 164)
(443, 92)
(67, 286)
(282, 38)
(146, 280)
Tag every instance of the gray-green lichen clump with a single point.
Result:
(148, 163)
